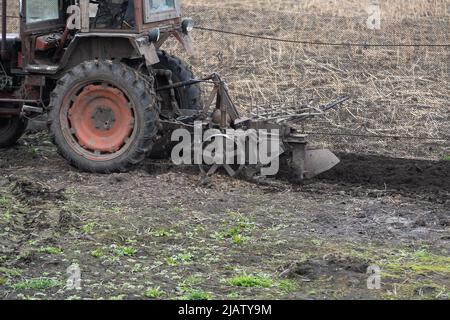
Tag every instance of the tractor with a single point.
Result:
(112, 95)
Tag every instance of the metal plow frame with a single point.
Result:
(297, 160)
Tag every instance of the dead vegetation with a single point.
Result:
(13, 16)
(397, 9)
(400, 91)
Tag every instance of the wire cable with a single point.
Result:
(321, 43)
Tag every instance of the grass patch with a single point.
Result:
(121, 251)
(197, 295)
(287, 286)
(7, 216)
(233, 295)
(10, 272)
(114, 210)
(239, 230)
(424, 290)
(37, 284)
(50, 250)
(419, 262)
(181, 258)
(251, 281)
(88, 228)
(5, 201)
(137, 268)
(178, 210)
(154, 293)
(98, 253)
(239, 239)
(188, 283)
(446, 158)
(161, 233)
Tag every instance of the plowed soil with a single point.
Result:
(163, 227)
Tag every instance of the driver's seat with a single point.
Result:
(129, 14)
(114, 16)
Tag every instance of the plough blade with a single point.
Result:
(319, 161)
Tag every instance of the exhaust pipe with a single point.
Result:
(4, 53)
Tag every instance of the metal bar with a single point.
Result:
(3, 47)
(333, 104)
(18, 101)
(222, 107)
(179, 85)
(186, 83)
(233, 113)
(212, 96)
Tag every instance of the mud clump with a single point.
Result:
(430, 178)
(68, 220)
(36, 221)
(329, 265)
(34, 193)
(425, 291)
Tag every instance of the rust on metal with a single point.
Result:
(100, 118)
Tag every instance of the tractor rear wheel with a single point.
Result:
(11, 129)
(103, 116)
(189, 97)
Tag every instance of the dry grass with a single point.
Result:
(13, 14)
(395, 91)
(397, 9)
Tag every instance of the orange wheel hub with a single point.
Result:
(101, 119)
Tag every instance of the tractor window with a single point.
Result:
(112, 14)
(160, 10)
(42, 10)
(161, 5)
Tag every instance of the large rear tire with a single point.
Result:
(103, 116)
(11, 129)
(189, 97)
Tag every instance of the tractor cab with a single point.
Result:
(125, 14)
(50, 28)
(136, 15)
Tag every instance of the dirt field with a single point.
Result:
(163, 232)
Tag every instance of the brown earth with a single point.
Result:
(406, 176)
(164, 227)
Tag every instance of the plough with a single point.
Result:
(236, 139)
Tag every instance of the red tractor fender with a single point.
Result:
(90, 46)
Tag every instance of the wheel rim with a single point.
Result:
(98, 121)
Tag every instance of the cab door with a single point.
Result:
(40, 17)
(161, 10)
